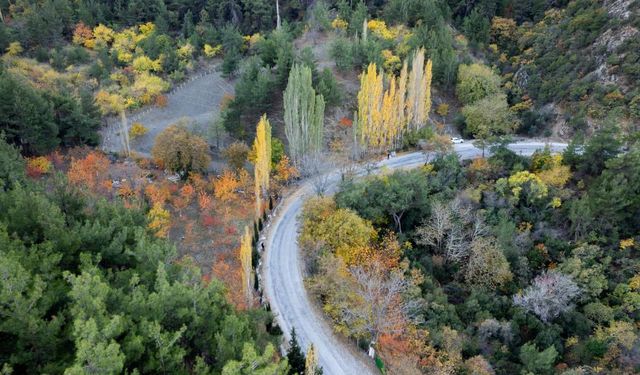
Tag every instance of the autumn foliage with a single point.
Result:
(37, 166)
(159, 220)
(384, 115)
(225, 186)
(90, 172)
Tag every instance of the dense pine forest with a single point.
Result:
(150, 150)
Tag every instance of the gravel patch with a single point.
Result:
(197, 99)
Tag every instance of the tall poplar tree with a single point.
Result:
(401, 103)
(245, 261)
(303, 114)
(370, 106)
(262, 167)
(427, 88)
(416, 91)
(311, 365)
(389, 118)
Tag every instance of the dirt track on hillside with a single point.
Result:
(197, 100)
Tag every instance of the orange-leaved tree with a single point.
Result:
(225, 186)
(90, 172)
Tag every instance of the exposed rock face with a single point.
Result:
(608, 44)
(619, 8)
(521, 77)
(612, 39)
(557, 121)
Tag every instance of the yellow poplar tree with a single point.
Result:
(389, 117)
(384, 115)
(427, 88)
(245, 261)
(311, 362)
(369, 106)
(262, 167)
(401, 103)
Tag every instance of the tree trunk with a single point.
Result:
(125, 133)
(396, 219)
(277, 15)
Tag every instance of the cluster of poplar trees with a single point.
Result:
(303, 114)
(262, 170)
(383, 116)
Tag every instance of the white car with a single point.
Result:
(456, 140)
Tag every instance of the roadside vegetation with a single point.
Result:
(501, 265)
(148, 262)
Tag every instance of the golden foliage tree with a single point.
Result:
(285, 171)
(385, 114)
(428, 75)
(262, 167)
(245, 261)
(159, 220)
(225, 186)
(311, 363)
(369, 105)
(401, 103)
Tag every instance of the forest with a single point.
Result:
(500, 265)
(139, 204)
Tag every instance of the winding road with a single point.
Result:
(282, 270)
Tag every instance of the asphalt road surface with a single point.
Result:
(284, 283)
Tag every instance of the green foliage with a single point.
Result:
(253, 363)
(613, 197)
(437, 39)
(578, 75)
(253, 97)
(90, 288)
(536, 362)
(38, 121)
(380, 365)
(231, 44)
(586, 266)
(476, 27)
(295, 356)
(320, 14)
(12, 166)
(303, 115)
(476, 82)
(394, 200)
(329, 88)
(27, 119)
(341, 51)
(277, 151)
(276, 50)
(489, 117)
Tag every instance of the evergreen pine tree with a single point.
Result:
(295, 356)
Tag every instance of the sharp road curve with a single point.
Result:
(284, 283)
